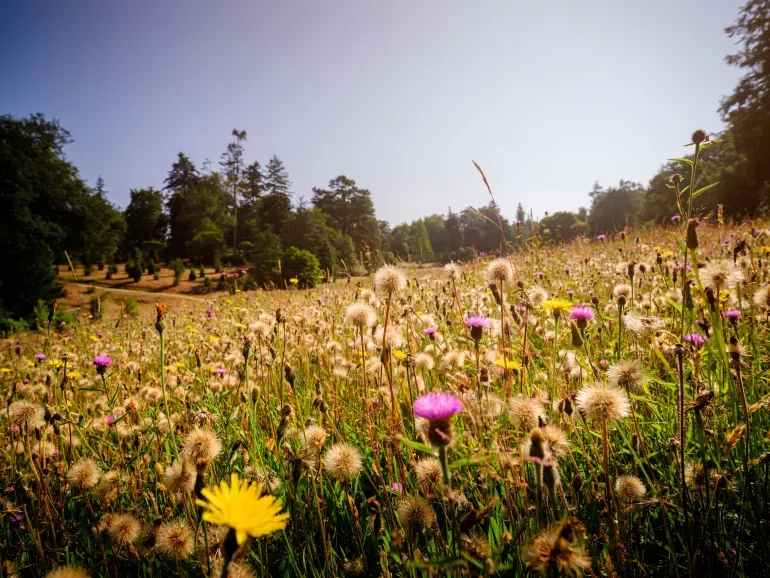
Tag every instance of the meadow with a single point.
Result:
(596, 408)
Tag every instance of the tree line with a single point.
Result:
(244, 214)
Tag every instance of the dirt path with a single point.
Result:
(157, 295)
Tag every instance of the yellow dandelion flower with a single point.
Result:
(180, 365)
(398, 354)
(240, 326)
(509, 364)
(74, 374)
(56, 363)
(556, 305)
(213, 338)
(241, 507)
(293, 280)
(5, 370)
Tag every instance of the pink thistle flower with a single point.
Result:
(694, 338)
(437, 406)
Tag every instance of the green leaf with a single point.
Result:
(704, 189)
(682, 248)
(469, 462)
(416, 445)
(677, 160)
(673, 303)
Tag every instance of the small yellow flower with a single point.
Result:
(74, 374)
(180, 365)
(556, 305)
(398, 354)
(509, 364)
(5, 370)
(293, 280)
(241, 507)
(56, 363)
(240, 326)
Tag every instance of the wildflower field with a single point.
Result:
(598, 408)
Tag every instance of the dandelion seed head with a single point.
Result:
(343, 462)
(175, 540)
(84, 474)
(629, 488)
(602, 403)
(389, 279)
(500, 271)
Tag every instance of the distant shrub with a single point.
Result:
(235, 259)
(87, 269)
(249, 284)
(466, 254)
(222, 283)
(192, 276)
(217, 264)
(152, 267)
(95, 307)
(178, 271)
(201, 271)
(111, 270)
(131, 308)
(302, 265)
(207, 283)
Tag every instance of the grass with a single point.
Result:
(278, 386)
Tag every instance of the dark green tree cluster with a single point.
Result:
(47, 213)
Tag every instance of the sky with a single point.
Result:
(547, 96)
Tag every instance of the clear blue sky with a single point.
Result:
(548, 96)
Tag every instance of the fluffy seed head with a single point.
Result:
(315, 436)
(25, 412)
(84, 474)
(554, 553)
(721, 275)
(629, 488)
(601, 402)
(525, 412)
(762, 297)
(180, 476)
(175, 540)
(500, 270)
(360, 315)
(389, 279)
(201, 444)
(67, 572)
(423, 362)
(622, 290)
(428, 472)
(627, 374)
(415, 515)
(343, 462)
(123, 529)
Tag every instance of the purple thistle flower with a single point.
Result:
(102, 362)
(429, 330)
(676, 218)
(540, 274)
(694, 338)
(601, 236)
(398, 488)
(40, 356)
(475, 320)
(732, 314)
(604, 364)
(581, 314)
(112, 418)
(209, 313)
(477, 323)
(221, 370)
(570, 293)
(437, 406)
(566, 269)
